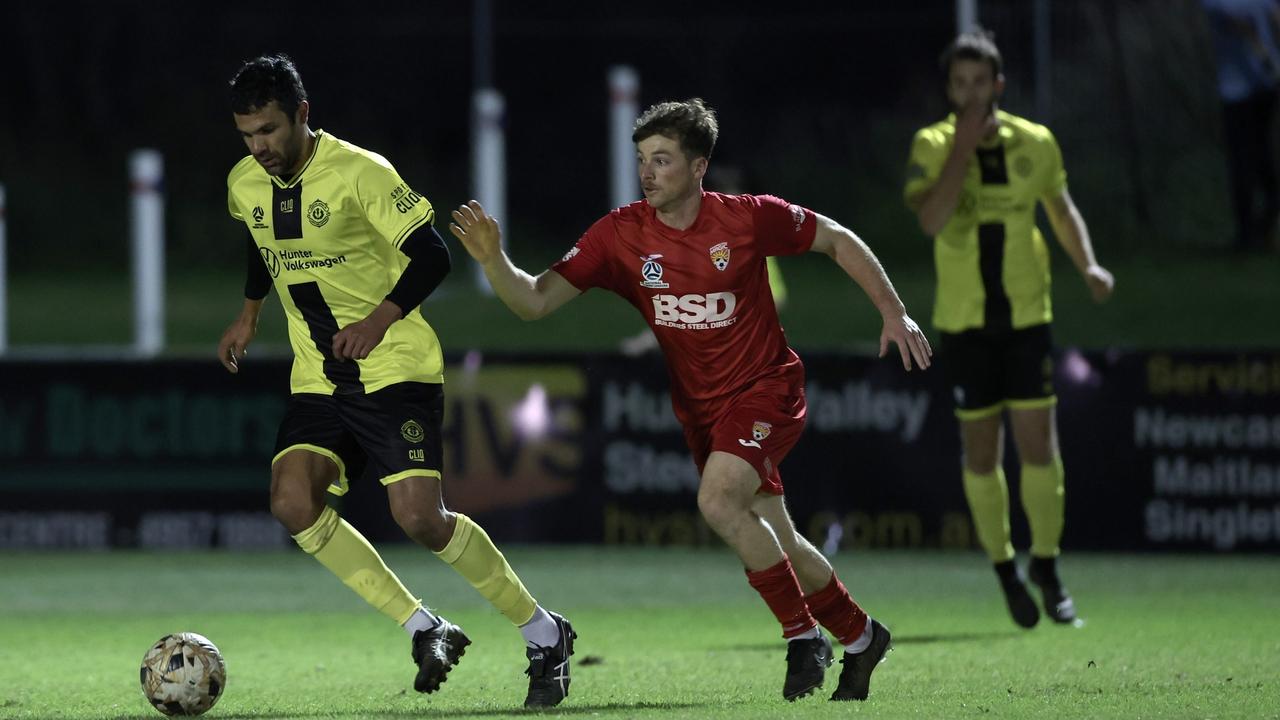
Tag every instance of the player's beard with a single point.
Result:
(289, 156)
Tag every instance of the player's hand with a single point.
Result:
(234, 344)
(974, 122)
(907, 335)
(477, 232)
(1100, 281)
(357, 340)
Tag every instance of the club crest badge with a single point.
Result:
(651, 271)
(720, 256)
(1023, 166)
(412, 431)
(760, 430)
(318, 213)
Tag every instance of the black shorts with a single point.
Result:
(989, 371)
(389, 434)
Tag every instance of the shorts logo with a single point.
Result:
(412, 431)
(651, 271)
(720, 256)
(318, 213)
(797, 215)
(760, 430)
(258, 214)
(418, 455)
(569, 255)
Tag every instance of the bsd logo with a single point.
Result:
(709, 308)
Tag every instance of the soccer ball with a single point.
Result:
(183, 674)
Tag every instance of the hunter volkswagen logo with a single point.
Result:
(651, 270)
(271, 261)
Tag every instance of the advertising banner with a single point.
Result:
(1163, 450)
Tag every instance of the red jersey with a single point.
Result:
(703, 290)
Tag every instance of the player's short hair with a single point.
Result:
(266, 78)
(692, 123)
(978, 44)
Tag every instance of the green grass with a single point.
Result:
(1164, 300)
(671, 634)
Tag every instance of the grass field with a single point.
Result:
(663, 634)
(1163, 300)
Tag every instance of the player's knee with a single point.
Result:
(718, 506)
(296, 511)
(427, 526)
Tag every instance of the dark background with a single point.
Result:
(818, 102)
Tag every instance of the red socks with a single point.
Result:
(781, 592)
(837, 612)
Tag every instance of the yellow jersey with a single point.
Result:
(330, 238)
(992, 261)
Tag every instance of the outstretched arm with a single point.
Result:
(857, 260)
(528, 297)
(1073, 235)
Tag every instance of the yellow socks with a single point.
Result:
(473, 555)
(1043, 500)
(342, 549)
(346, 553)
(989, 504)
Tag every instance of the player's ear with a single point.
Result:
(303, 113)
(999, 86)
(699, 168)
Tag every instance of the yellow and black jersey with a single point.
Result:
(992, 262)
(330, 238)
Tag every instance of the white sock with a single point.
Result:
(863, 640)
(812, 634)
(541, 630)
(421, 619)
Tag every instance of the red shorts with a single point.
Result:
(761, 426)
